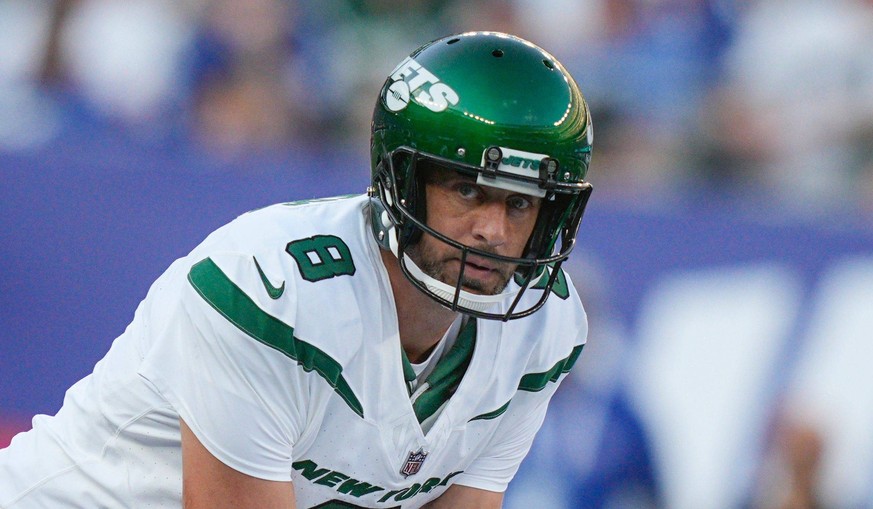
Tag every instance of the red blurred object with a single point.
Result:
(10, 426)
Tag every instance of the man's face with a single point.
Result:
(483, 217)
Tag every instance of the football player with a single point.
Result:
(393, 349)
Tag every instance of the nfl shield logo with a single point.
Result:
(413, 463)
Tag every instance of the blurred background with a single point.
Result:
(726, 260)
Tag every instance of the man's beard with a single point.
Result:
(436, 268)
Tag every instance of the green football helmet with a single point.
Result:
(504, 111)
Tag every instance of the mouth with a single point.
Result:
(484, 276)
(478, 269)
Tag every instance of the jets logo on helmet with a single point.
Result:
(411, 79)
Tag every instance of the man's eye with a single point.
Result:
(467, 190)
(519, 203)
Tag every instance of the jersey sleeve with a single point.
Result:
(497, 464)
(222, 362)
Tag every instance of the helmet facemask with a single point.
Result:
(401, 181)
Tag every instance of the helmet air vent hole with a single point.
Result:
(452, 41)
(548, 63)
(497, 53)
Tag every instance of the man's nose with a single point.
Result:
(491, 223)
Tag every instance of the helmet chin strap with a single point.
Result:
(466, 300)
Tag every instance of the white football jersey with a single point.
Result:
(276, 340)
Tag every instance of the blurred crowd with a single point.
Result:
(764, 100)
(767, 99)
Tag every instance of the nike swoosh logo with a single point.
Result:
(273, 291)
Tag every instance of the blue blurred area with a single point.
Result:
(91, 221)
(726, 259)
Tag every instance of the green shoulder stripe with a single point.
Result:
(492, 414)
(534, 382)
(537, 381)
(228, 299)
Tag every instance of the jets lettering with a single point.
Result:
(346, 485)
(425, 87)
(520, 162)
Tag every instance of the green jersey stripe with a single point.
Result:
(493, 414)
(228, 299)
(534, 382)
